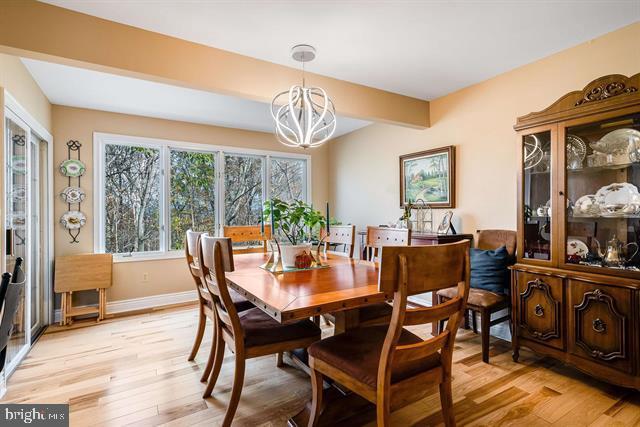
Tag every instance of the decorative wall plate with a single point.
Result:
(19, 164)
(72, 168)
(73, 195)
(18, 193)
(18, 220)
(577, 247)
(73, 220)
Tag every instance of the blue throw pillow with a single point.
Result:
(489, 269)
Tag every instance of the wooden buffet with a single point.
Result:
(576, 286)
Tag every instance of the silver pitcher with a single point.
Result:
(614, 256)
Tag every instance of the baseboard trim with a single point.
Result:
(145, 303)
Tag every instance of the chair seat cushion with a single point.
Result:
(375, 311)
(489, 269)
(477, 297)
(357, 353)
(261, 329)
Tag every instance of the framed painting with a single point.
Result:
(429, 175)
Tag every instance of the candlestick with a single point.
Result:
(273, 230)
(328, 221)
(262, 219)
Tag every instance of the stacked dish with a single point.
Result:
(613, 200)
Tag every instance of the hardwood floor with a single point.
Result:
(134, 371)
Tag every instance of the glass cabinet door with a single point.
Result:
(536, 198)
(602, 164)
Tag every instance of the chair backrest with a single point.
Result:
(217, 257)
(342, 235)
(407, 271)
(14, 285)
(494, 239)
(191, 254)
(378, 237)
(247, 233)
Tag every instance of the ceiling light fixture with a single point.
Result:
(304, 116)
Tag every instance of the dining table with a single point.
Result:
(340, 287)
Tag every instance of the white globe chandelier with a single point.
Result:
(304, 116)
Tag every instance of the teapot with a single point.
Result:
(614, 255)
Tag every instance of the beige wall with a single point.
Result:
(478, 120)
(164, 276)
(16, 79)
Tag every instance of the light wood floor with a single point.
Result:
(133, 371)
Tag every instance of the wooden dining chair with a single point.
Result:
(248, 334)
(388, 365)
(205, 302)
(247, 234)
(377, 237)
(342, 236)
(12, 287)
(482, 302)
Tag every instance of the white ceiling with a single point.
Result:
(78, 87)
(424, 49)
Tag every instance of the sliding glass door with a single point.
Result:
(26, 223)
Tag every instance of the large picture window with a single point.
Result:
(149, 192)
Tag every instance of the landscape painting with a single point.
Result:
(428, 176)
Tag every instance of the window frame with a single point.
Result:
(101, 140)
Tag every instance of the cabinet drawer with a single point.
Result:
(600, 326)
(540, 308)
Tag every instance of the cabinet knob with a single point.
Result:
(561, 193)
(599, 325)
(539, 310)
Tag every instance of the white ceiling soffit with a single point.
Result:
(423, 49)
(79, 87)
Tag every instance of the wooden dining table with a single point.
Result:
(340, 289)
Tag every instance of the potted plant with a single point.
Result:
(295, 222)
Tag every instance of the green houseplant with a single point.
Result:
(296, 223)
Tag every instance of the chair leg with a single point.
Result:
(316, 400)
(280, 360)
(202, 321)
(485, 320)
(212, 356)
(383, 413)
(446, 400)
(238, 382)
(217, 364)
(474, 322)
(440, 327)
(466, 319)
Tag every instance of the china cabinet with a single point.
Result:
(576, 285)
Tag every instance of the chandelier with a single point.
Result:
(304, 116)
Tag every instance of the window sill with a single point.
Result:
(117, 259)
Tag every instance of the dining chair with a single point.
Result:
(481, 301)
(247, 234)
(248, 334)
(11, 286)
(388, 365)
(379, 314)
(205, 302)
(343, 236)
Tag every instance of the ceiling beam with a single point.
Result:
(41, 31)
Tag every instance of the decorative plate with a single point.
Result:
(73, 220)
(73, 195)
(577, 247)
(19, 164)
(18, 220)
(72, 168)
(616, 142)
(18, 193)
(618, 199)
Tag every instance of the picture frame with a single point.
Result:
(430, 176)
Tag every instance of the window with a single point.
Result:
(131, 199)
(288, 179)
(192, 181)
(243, 189)
(149, 192)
